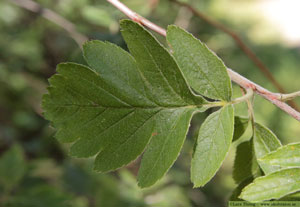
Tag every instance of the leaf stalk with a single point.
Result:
(247, 96)
(289, 96)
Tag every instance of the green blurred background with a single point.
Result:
(36, 171)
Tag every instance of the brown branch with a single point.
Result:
(137, 18)
(275, 98)
(53, 17)
(249, 53)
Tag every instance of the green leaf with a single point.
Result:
(156, 62)
(237, 191)
(114, 108)
(156, 66)
(12, 167)
(212, 145)
(240, 126)
(265, 141)
(204, 71)
(245, 164)
(164, 148)
(285, 156)
(291, 197)
(273, 186)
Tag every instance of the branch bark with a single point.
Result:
(275, 98)
(137, 18)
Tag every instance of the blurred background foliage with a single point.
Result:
(36, 171)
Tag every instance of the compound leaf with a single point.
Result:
(119, 104)
(265, 141)
(273, 186)
(204, 71)
(212, 145)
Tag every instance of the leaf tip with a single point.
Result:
(171, 27)
(141, 185)
(145, 182)
(127, 22)
(197, 185)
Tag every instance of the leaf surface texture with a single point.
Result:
(265, 141)
(204, 71)
(285, 156)
(245, 164)
(213, 142)
(240, 126)
(273, 186)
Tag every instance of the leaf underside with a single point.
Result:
(284, 157)
(240, 126)
(238, 190)
(273, 186)
(212, 145)
(265, 141)
(121, 103)
(245, 164)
